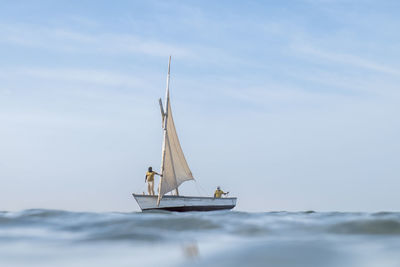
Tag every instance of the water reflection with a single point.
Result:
(190, 250)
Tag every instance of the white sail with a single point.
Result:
(174, 168)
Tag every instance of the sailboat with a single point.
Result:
(174, 171)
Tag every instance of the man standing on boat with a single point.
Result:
(218, 193)
(149, 178)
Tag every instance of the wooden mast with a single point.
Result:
(165, 114)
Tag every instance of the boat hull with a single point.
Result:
(184, 203)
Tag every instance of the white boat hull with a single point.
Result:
(184, 203)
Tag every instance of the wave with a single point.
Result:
(368, 227)
(166, 226)
(223, 238)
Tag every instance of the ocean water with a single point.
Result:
(225, 238)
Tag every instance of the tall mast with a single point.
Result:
(174, 167)
(165, 119)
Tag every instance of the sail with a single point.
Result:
(175, 169)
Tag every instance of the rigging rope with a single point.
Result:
(197, 184)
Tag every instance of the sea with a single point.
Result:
(40, 237)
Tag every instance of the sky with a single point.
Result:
(288, 105)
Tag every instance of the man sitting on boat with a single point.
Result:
(149, 178)
(218, 193)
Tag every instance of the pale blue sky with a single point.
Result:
(289, 105)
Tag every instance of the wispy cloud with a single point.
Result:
(39, 77)
(349, 59)
(68, 40)
(87, 76)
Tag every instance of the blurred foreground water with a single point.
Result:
(225, 238)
